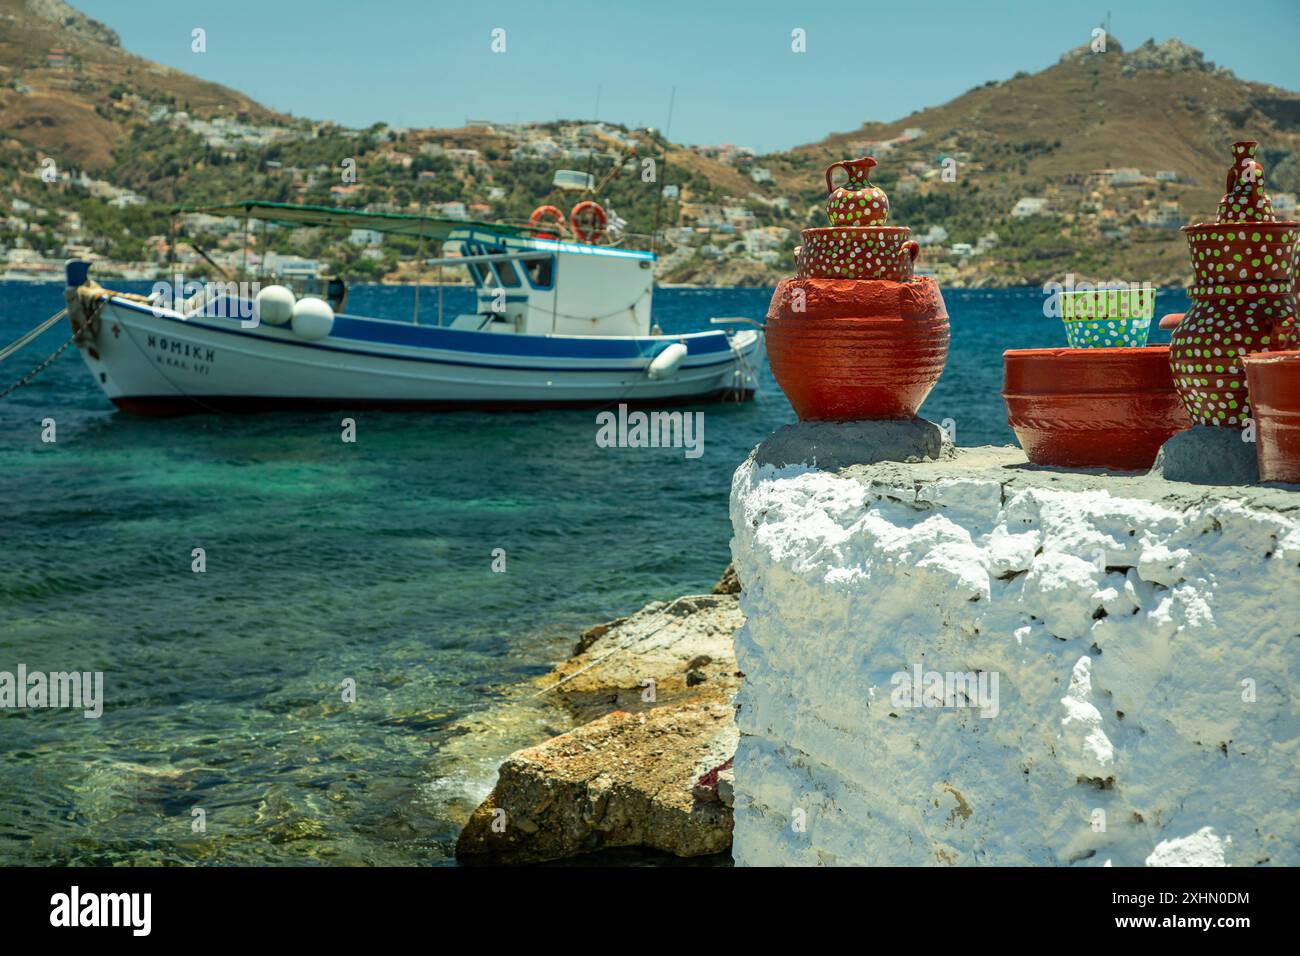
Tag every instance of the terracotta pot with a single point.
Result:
(845, 350)
(858, 252)
(1274, 379)
(1092, 408)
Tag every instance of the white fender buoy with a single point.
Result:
(667, 362)
(274, 305)
(312, 318)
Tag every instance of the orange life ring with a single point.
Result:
(588, 221)
(545, 232)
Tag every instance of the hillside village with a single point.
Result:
(100, 146)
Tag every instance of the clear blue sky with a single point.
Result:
(430, 63)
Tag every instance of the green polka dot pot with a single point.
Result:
(857, 202)
(1115, 333)
(857, 252)
(1243, 298)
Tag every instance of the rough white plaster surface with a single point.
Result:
(1143, 635)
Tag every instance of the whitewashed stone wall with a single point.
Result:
(1143, 636)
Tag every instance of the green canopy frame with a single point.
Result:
(396, 223)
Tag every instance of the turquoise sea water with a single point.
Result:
(329, 562)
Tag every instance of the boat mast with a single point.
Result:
(663, 169)
(419, 269)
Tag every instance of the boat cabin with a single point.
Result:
(542, 286)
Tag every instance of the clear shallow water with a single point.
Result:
(328, 561)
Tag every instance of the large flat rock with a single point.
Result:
(621, 780)
(657, 656)
(651, 695)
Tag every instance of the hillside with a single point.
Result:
(1102, 155)
(1159, 108)
(75, 111)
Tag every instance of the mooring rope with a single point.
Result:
(38, 370)
(22, 340)
(746, 371)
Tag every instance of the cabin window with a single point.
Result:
(506, 273)
(541, 272)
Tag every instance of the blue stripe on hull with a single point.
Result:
(381, 333)
(530, 346)
(459, 340)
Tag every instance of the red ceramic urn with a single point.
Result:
(854, 335)
(1274, 379)
(1092, 408)
(845, 350)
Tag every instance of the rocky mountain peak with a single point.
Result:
(1085, 50)
(1171, 54)
(61, 15)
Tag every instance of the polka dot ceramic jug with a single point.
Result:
(1245, 199)
(1243, 299)
(857, 202)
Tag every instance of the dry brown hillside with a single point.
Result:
(71, 111)
(1156, 107)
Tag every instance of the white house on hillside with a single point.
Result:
(1028, 206)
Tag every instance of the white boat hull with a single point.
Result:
(155, 361)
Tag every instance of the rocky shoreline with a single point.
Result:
(647, 761)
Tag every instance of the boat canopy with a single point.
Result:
(397, 223)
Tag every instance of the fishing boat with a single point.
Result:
(561, 320)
